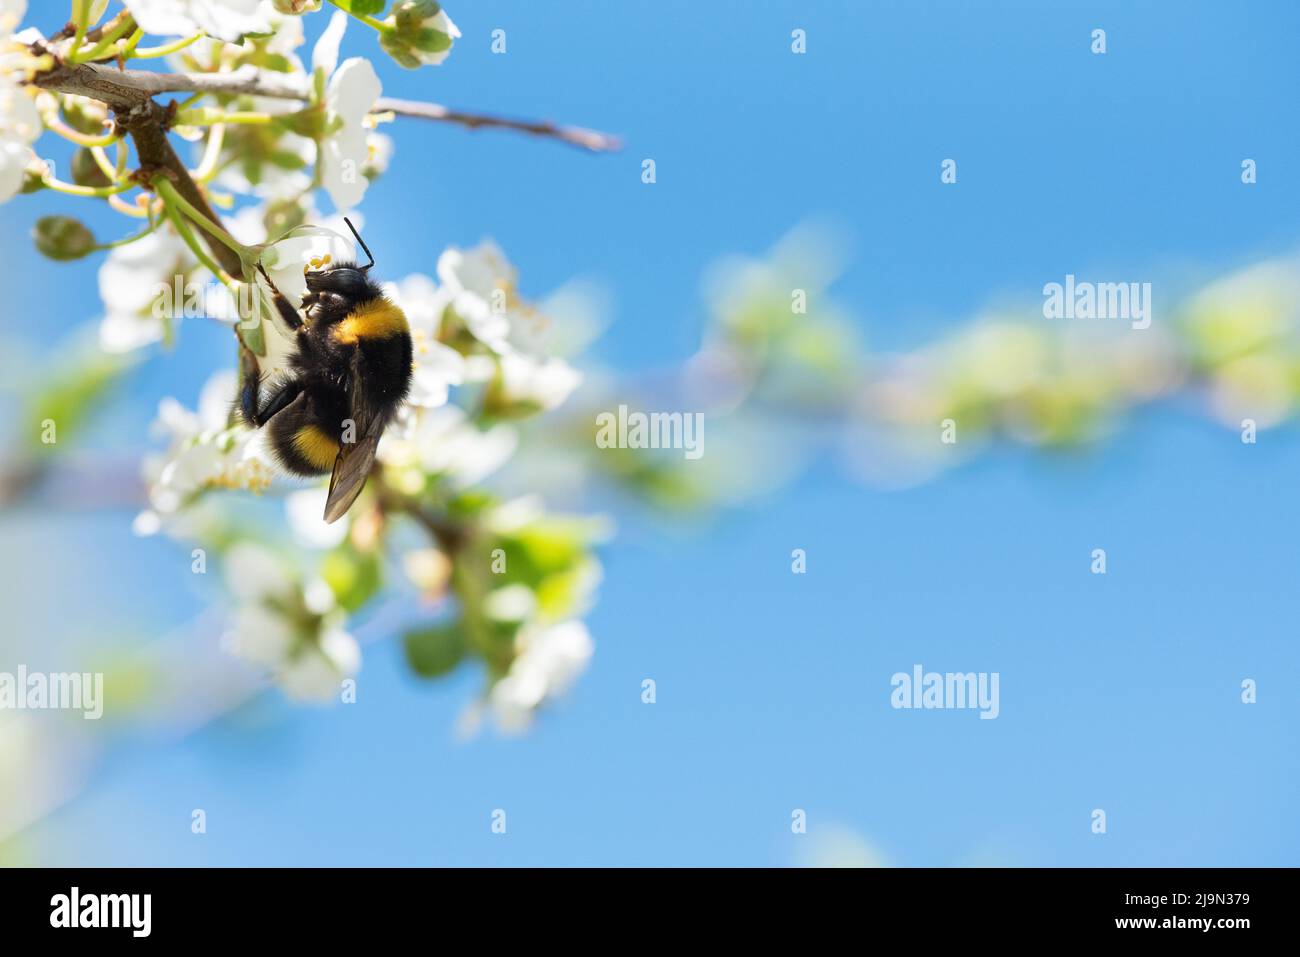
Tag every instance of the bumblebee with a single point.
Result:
(347, 377)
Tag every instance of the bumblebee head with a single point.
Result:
(345, 279)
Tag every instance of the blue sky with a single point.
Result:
(1119, 692)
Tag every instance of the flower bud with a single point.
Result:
(85, 171)
(419, 33)
(281, 216)
(294, 8)
(84, 114)
(62, 237)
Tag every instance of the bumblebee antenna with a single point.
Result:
(362, 242)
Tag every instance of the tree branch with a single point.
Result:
(114, 87)
(593, 140)
(146, 122)
(111, 85)
(148, 128)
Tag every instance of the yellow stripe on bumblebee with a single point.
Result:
(377, 319)
(316, 446)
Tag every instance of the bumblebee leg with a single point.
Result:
(278, 402)
(249, 396)
(282, 304)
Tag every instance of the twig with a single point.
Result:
(113, 86)
(593, 140)
(128, 93)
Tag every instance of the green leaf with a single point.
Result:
(249, 328)
(74, 391)
(354, 577)
(309, 122)
(286, 159)
(62, 238)
(277, 62)
(436, 650)
(362, 8)
(252, 336)
(561, 595)
(470, 503)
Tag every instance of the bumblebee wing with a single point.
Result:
(355, 459)
(351, 468)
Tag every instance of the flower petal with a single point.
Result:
(325, 54)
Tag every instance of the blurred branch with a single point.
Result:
(88, 481)
(592, 140)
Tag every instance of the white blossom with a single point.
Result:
(137, 283)
(550, 659)
(286, 39)
(444, 442)
(274, 181)
(480, 285)
(224, 19)
(510, 603)
(319, 669)
(543, 382)
(204, 451)
(292, 630)
(20, 121)
(379, 152)
(325, 54)
(287, 262)
(349, 96)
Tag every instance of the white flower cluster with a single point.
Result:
(204, 451)
(476, 305)
(223, 19)
(349, 152)
(291, 628)
(264, 159)
(480, 288)
(350, 94)
(137, 283)
(345, 147)
(551, 658)
(478, 292)
(20, 122)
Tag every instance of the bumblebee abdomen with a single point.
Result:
(302, 445)
(316, 447)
